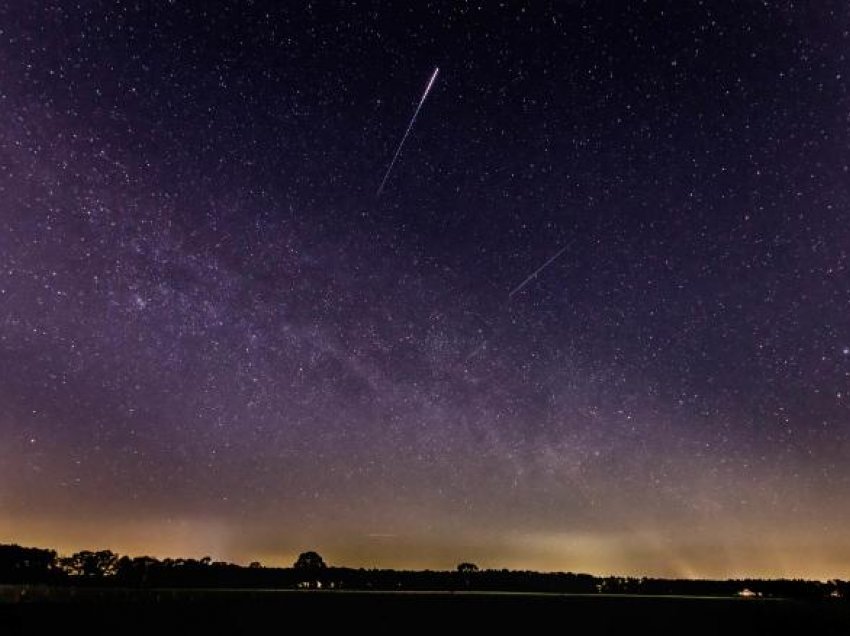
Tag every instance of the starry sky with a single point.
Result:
(215, 338)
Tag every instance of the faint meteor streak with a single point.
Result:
(534, 274)
(407, 132)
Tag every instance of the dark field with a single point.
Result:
(255, 612)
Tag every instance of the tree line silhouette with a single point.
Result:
(104, 568)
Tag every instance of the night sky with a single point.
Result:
(215, 338)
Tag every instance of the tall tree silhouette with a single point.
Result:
(310, 565)
(309, 561)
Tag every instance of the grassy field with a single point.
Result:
(154, 612)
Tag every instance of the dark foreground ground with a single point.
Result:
(156, 612)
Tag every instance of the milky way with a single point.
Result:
(215, 340)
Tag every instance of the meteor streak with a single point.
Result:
(407, 132)
(522, 285)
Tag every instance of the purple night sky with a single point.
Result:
(216, 339)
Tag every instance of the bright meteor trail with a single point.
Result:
(407, 132)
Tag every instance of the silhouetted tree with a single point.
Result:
(91, 564)
(136, 571)
(27, 565)
(255, 565)
(310, 567)
(465, 571)
(309, 561)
